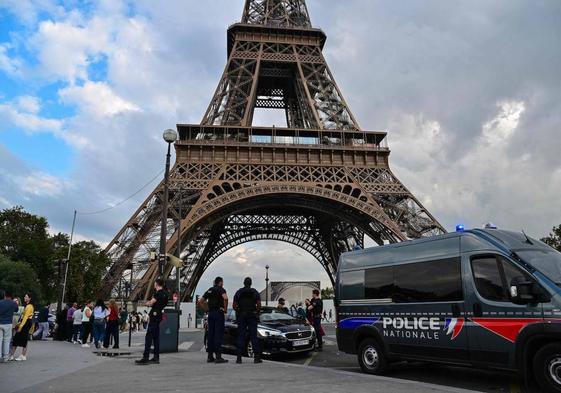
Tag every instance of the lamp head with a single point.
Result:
(170, 135)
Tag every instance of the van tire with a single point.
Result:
(371, 357)
(547, 367)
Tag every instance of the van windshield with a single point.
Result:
(546, 261)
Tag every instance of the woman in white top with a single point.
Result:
(86, 325)
(76, 326)
(98, 327)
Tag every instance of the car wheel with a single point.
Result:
(547, 367)
(370, 357)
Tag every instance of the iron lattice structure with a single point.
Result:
(321, 183)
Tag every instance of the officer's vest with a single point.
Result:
(246, 301)
(215, 300)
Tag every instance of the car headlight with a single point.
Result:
(268, 332)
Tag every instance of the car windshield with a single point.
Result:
(547, 261)
(273, 315)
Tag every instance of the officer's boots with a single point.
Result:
(210, 358)
(257, 359)
(220, 359)
(239, 360)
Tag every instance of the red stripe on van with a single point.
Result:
(507, 328)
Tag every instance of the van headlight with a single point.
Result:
(268, 333)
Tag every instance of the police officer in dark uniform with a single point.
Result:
(316, 307)
(158, 302)
(217, 302)
(247, 304)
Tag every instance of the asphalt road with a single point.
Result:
(456, 377)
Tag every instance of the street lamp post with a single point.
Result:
(170, 136)
(267, 285)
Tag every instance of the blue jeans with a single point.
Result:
(247, 325)
(77, 332)
(98, 331)
(6, 338)
(215, 332)
(152, 335)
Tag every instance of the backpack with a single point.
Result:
(246, 301)
(214, 300)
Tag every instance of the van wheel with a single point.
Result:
(547, 367)
(371, 358)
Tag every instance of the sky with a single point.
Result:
(469, 92)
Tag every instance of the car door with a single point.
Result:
(230, 330)
(495, 321)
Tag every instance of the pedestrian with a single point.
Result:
(43, 321)
(86, 324)
(112, 325)
(216, 300)
(316, 309)
(247, 303)
(17, 315)
(24, 328)
(281, 306)
(98, 326)
(145, 319)
(324, 315)
(70, 321)
(77, 326)
(158, 302)
(330, 315)
(7, 309)
(123, 316)
(300, 312)
(60, 331)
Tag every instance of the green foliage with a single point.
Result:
(554, 238)
(19, 278)
(24, 237)
(327, 293)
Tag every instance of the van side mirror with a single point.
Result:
(527, 292)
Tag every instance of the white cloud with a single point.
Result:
(40, 184)
(500, 129)
(10, 65)
(23, 114)
(29, 104)
(97, 98)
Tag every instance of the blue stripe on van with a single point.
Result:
(353, 323)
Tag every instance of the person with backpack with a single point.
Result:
(247, 304)
(216, 300)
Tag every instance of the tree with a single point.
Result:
(554, 238)
(327, 293)
(24, 237)
(87, 266)
(19, 278)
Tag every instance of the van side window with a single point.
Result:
(488, 279)
(434, 281)
(378, 283)
(494, 275)
(351, 285)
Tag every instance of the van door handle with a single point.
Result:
(477, 312)
(456, 311)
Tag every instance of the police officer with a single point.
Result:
(247, 304)
(316, 308)
(158, 302)
(217, 302)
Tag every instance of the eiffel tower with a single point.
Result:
(322, 183)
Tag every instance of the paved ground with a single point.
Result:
(62, 367)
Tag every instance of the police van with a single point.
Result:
(481, 297)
